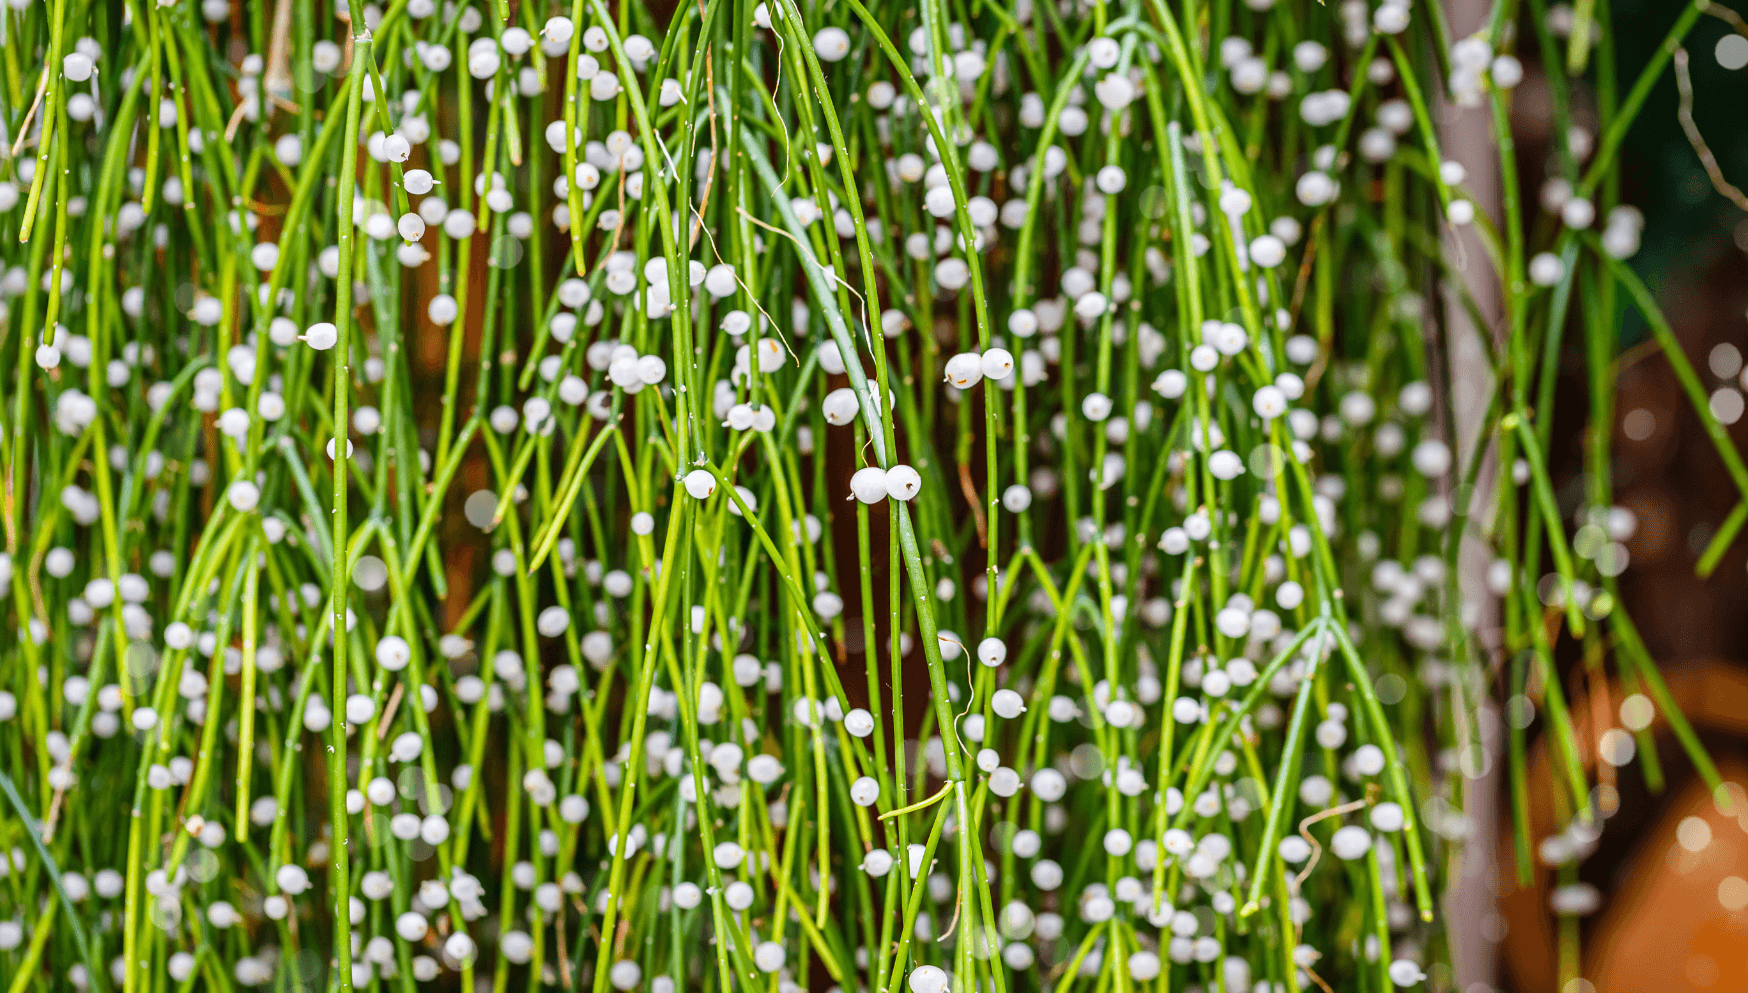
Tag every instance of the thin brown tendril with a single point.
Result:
(1697, 140)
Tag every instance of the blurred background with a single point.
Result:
(1669, 867)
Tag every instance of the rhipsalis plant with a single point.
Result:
(739, 495)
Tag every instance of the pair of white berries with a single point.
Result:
(874, 484)
(965, 369)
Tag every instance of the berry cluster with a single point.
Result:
(782, 495)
